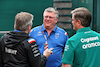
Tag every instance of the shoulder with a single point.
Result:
(31, 40)
(28, 43)
(96, 33)
(75, 37)
(73, 41)
(62, 31)
(36, 29)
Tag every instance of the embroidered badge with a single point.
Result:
(65, 33)
(31, 40)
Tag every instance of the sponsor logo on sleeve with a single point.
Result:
(66, 47)
(35, 50)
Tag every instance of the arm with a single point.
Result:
(1, 58)
(35, 58)
(68, 55)
(66, 65)
(33, 53)
(43, 61)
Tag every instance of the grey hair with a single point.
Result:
(51, 9)
(83, 15)
(22, 20)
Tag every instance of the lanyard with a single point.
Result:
(46, 43)
(44, 35)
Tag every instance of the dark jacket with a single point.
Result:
(17, 49)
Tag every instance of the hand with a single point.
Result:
(47, 53)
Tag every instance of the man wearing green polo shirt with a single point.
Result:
(82, 49)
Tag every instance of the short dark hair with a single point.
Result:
(82, 14)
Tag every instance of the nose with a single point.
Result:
(71, 21)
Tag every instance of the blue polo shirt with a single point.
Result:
(57, 40)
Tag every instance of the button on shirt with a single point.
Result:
(83, 49)
(56, 40)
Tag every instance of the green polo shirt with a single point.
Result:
(83, 49)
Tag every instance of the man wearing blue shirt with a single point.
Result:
(48, 35)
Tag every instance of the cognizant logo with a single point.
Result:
(89, 45)
(89, 39)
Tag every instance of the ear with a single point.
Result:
(56, 20)
(79, 22)
(29, 27)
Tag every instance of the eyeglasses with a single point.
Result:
(49, 17)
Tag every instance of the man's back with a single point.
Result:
(16, 51)
(85, 48)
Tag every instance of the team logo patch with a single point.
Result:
(31, 40)
(30, 30)
(65, 33)
(56, 35)
(39, 33)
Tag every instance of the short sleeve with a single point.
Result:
(68, 53)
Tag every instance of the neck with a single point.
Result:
(49, 30)
(80, 27)
(26, 32)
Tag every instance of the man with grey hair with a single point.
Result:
(82, 49)
(17, 49)
(48, 35)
